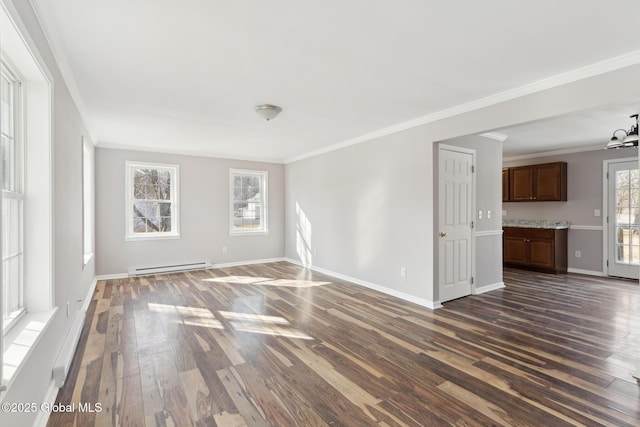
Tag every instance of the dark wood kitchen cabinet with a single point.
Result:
(537, 183)
(505, 184)
(535, 248)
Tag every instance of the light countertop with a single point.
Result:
(533, 223)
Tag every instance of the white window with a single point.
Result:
(12, 197)
(87, 201)
(152, 201)
(248, 201)
(26, 244)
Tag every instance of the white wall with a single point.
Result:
(584, 195)
(370, 206)
(350, 209)
(204, 214)
(71, 282)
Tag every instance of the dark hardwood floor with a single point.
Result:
(277, 345)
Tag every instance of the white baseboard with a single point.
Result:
(488, 288)
(89, 297)
(112, 276)
(241, 263)
(587, 272)
(43, 416)
(410, 298)
(220, 265)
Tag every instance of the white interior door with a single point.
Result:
(455, 233)
(623, 206)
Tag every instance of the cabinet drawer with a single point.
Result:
(542, 233)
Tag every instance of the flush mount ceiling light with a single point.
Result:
(625, 138)
(267, 111)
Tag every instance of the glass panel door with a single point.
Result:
(624, 219)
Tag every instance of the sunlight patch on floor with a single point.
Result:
(192, 316)
(258, 328)
(241, 322)
(285, 283)
(261, 324)
(243, 280)
(254, 317)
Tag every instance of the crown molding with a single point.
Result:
(598, 68)
(62, 63)
(186, 153)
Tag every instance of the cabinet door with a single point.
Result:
(515, 250)
(548, 181)
(520, 182)
(505, 185)
(541, 253)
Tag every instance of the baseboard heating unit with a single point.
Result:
(63, 361)
(169, 268)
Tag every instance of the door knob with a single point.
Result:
(443, 234)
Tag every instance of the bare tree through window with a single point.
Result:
(628, 216)
(152, 202)
(248, 201)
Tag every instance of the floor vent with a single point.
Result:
(169, 268)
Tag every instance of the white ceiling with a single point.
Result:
(184, 76)
(590, 129)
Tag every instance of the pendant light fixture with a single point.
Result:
(625, 138)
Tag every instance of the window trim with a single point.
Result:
(17, 192)
(264, 181)
(130, 235)
(88, 200)
(20, 51)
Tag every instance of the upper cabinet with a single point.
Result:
(536, 183)
(505, 184)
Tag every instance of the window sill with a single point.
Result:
(248, 233)
(151, 237)
(21, 340)
(12, 320)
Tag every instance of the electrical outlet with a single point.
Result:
(596, 212)
(224, 250)
(479, 214)
(403, 272)
(578, 254)
(488, 214)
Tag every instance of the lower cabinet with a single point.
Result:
(535, 248)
